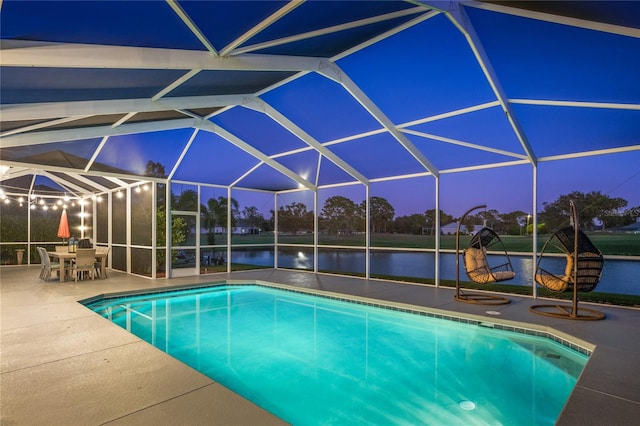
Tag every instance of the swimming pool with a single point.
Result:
(319, 360)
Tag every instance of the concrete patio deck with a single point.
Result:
(61, 364)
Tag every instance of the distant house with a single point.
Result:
(451, 228)
(241, 228)
(633, 228)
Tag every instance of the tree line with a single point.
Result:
(341, 215)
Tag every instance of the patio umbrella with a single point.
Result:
(63, 228)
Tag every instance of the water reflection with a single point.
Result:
(617, 276)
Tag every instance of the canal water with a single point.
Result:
(618, 276)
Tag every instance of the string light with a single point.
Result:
(56, 202)
(33, 201)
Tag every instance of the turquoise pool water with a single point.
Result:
(319, 361)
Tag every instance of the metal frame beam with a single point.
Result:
(329, 30)
(333, 72)
(21, 53)
(458, 16)
(79, 109)
(556, 19)
(261, 106)
(213, 128)
(65, 135)
(284, 10)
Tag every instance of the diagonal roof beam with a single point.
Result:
(465, 144)
(118, 181)
(20, 53)
(175, 84)
(576, 104)
(75, 176)
(329, 30)
(38, 138)
(213, 128)
(387, 34)
(333, 72)
(96, 152)
(88, 182)
(261, 26)
(14, 172)
(556, 19)
(111, 176)
(43, 125)
(184, 152)
(460, 19)
(261, 106)
(192, 26)
(54, 110)
(71, 187)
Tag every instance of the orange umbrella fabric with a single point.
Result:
(63, 228)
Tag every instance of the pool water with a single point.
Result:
(318, 361)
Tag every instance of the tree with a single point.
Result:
(339, 214)
(430, 219)
(252, 217)
(603, 207)
(154, 169)
(381, 214)
(214, 213)
(514, 222)
(490, 218)
(186, 201)
(294, 217)
(178, 234)
(470, 222)
(593, 205)
(411, 224)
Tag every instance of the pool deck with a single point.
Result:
(61, 364)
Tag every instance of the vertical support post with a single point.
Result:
(82, 202)
(367, 242)
(275, 230)
(154, 233)
(168, 242)
(315, 231)
(29, 229)
(437, 232)
(94, 219)
(198, 231)
(534, 232)
(128, 221)
(228, 229)
(110, 226)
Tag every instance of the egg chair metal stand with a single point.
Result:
(583, 269)
(477, 266)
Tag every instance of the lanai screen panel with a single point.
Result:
(348, 78)
(133, 152)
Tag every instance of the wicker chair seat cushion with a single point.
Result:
(504, 275)
(475, 261)
(552, 282)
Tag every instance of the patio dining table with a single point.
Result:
(64, 257)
